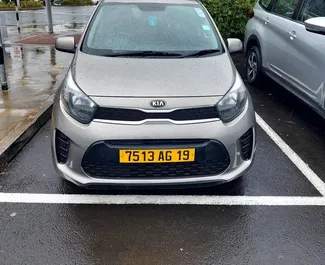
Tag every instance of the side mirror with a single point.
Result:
(316, 25)
(234, 45)
(65, 44)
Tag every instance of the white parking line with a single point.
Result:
(160, 199)
(295, 159)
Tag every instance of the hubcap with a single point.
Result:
(252, 66)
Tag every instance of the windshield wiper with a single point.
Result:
(143, 54)
(202, 53)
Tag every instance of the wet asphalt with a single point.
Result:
(146, 235)
(153, 234)
(61, 15)
(176, 234)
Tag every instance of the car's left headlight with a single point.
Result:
(233, 103)
(76, 103)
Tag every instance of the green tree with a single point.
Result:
(230, 16)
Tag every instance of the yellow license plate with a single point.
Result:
(157, 156)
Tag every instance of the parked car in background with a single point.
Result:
(285, 39)
(152, 98)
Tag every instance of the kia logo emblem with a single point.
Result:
(158, 103)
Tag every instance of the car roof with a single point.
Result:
(154, 1)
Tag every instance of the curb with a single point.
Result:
(45, 38)
(9, 9)
(22, 135)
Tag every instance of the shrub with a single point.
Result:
(76, 2)
(23, 5)
(30, 4)
(230, 16)
(4, 5)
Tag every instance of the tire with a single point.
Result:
(254, 66)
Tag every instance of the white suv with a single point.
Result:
(285, 39)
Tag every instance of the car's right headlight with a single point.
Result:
(76, 103)
(233, 103)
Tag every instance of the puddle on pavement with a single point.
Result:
(33, 71)
(57, 28)
(33, 75)
(10, 33)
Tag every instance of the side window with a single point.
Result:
(266, 4)
(285, 8)
(312, 8)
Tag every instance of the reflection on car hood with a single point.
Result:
(154, 77)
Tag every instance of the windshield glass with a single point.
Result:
(157, 29)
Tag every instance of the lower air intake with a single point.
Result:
(246, 142)
(62, 143)
(102, 160)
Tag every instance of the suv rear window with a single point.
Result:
(311, 9)
(266, 4)
(285, 8)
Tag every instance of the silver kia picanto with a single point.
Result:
(152, 97)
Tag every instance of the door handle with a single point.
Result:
(292, 34)
(266, 21)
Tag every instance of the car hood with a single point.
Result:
(152, 77)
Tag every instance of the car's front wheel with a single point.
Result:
(254, 65)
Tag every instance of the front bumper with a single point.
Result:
(83, 136)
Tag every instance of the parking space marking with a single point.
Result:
(292, 155)
(39, 198)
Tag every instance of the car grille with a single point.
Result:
(150, 143)
(246, 142)
(62, 143)
(138, 115)
(102, 160)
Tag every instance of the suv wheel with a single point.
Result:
(253, 65)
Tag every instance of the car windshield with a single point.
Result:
(147, 29)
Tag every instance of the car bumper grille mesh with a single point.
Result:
(102, 160)
(134, 115)
(62, 143)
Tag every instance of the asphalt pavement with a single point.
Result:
(154, 233)
(270, 216)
